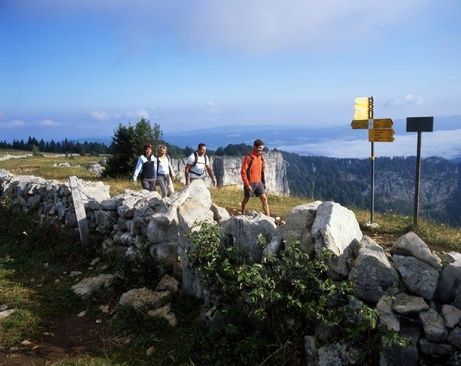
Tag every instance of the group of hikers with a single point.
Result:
(159, 170)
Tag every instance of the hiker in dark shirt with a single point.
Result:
(146, 165)
(252, 173)
(197, 165)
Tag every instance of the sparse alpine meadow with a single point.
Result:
(42, 322)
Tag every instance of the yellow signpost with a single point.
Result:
(383, 123)
(363, 108)
(379, 130)
(381, 135)
(360, 124)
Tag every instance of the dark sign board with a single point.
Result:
(420, 124)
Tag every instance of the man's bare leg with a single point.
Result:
(265, 204)
(244, 204)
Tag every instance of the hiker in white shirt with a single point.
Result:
(164, 173)
(198, 165)
(146, 166)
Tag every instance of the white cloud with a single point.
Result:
(48, 123)
(140, 113)
(102, 116)
(212, 106)
(439, 143)
(11, 124)
(406, 100)
(249, 25)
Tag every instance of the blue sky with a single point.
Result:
(78, 68)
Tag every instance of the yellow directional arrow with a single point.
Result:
(359, 124)
(382, 123)
(381, 135)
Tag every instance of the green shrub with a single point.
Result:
(287, 297)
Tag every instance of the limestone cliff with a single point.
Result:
(227, 171)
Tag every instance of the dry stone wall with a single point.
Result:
(416, 292)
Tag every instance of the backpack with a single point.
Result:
(196, 158)
(158, 163)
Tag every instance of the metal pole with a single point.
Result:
(417, 179)
(372, 183)
(372, 157)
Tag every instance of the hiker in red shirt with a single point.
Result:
(252, 173)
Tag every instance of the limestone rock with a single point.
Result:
(302, 217)
(91, 285)
(312, 354)
(126, 207)
(220, 214)
(96, 190)
(144, 299)
(373, 274)
(165, 253)
(110, 204)
(420, 278)
(435, 349)
(433, 325)
(168, 283)
(163, 228)
(387, 317)
(6, 313)
(335, 228)
(275, 244)
(449, 281)
(451, 315)
(455, 337)
(337, 354)
(411, 245)
(248, 231)
(164, 312)
(192, 215)
(407, 304)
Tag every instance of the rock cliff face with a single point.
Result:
(347, 181)
(227, 171)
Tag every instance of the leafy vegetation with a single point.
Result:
(286, 298)
(127, 144)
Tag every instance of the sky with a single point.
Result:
(79, 68)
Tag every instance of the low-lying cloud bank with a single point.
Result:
(446, 144)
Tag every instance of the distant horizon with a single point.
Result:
(333, 141)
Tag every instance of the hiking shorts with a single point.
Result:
(257, 189)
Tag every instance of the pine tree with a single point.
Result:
(127, 145)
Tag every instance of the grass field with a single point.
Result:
(36, 265)
(439, 235)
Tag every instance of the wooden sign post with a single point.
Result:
(379, 130)
(80, 213)
(418, 124)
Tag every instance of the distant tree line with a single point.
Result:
(59, 147)
(347, 181)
